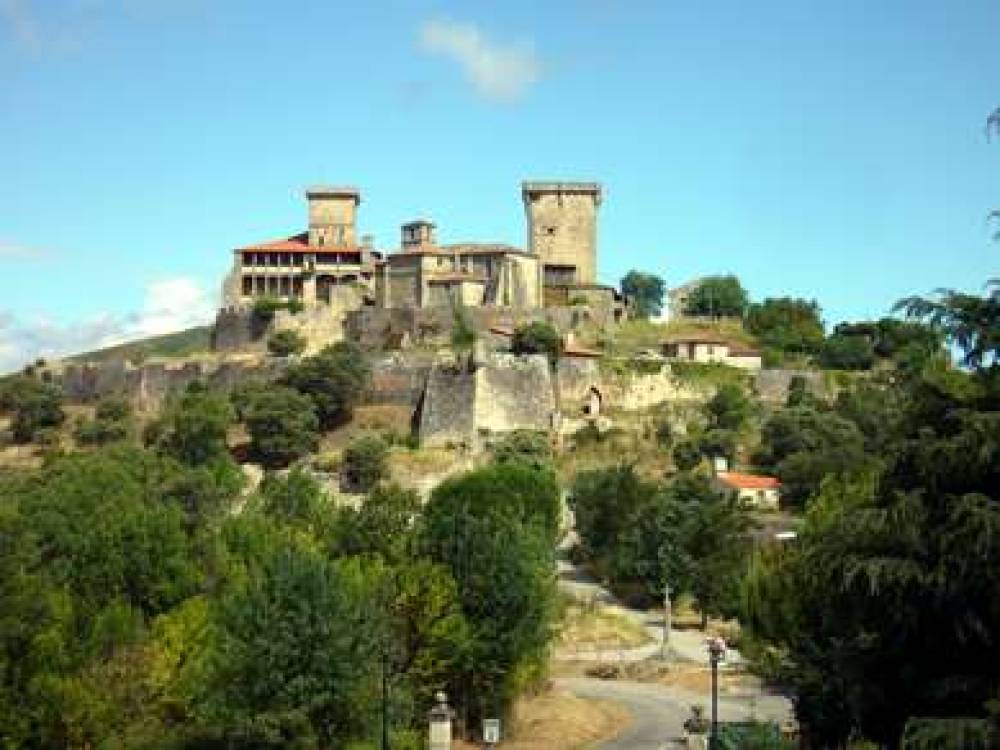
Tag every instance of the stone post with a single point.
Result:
(439, 724)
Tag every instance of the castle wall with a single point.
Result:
(513, 393)
(446, 415)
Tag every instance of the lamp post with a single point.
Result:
(716, 653)
(667, 619)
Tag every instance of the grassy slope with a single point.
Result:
(179, 344)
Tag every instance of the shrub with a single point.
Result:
(334, 379)
(524, 446)
(32, 404)
(364, 463)
(285, 343)
(537, 338)
(686, 455)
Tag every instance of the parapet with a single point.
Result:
(333, 191)
(529, 189)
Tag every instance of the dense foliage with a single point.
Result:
(141, 611)
(717, 297)
(364, 462)
(282, 424)
(882, 615)
(646, 291)
(787, 324)
(334, 379)
(285, 343)
(32, 404)
(648, 534)
(536, 337)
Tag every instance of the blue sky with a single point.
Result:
(827, 150)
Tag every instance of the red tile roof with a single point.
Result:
(740, 481)
(297, 243)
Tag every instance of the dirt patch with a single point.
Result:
(557, 720)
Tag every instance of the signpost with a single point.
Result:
(491, 732)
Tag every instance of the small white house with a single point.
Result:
(709, 347)
(756, 490)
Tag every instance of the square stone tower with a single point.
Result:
(332, 216)
(562, 229)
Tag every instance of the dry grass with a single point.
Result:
(593, 626)
(557, 720)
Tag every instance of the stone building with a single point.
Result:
(309, 266)
(708, 347)
(327, 263)
(423, 274)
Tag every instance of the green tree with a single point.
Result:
(718, 296)
(537, 338)
(787, 324)
(382, 526)
(728, 409)
(112, 422)
(605, 502)
(803, 446)
(524, 493)
(193, 430)
(846, 352)
(334, 379)
(286, 342)
(283, 426)
(364, 462)
(646, 290)
(32, 404)
(297, 653)
(896, 557)
(970, 322)
(493, 538)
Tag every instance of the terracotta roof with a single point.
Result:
(297, 243)
(740, 481)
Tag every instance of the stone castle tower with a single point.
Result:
(562, 229)
(332, 216)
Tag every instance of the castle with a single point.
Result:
(328, 264)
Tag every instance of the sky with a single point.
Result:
(834, 151)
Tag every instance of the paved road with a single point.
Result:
(658, 711)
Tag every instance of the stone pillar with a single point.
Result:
(309, 289)
(439, 724)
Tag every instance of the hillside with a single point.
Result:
(178, 344)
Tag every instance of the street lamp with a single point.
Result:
(716, 653)
(667, 617)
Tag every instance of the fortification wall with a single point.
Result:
(772, 385)
(513, 393)
(149, 384)
(446, 414)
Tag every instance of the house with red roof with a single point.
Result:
(758, 491)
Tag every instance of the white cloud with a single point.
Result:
(171, 304)
(498, 72)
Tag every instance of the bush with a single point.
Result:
(537, 338)
(334, 379)
(100, 431)
(686, 455)
(283, 426)
(364, 463)
(844, 352)
(32, 404)
(285, 343)
(525, 446)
